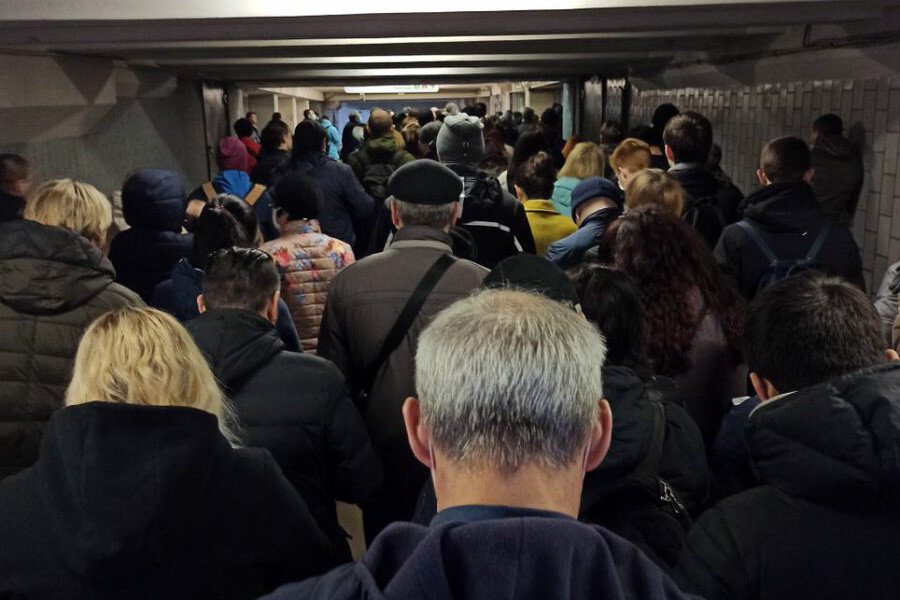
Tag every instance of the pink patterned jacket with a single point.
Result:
(308, 260)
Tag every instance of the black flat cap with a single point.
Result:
(425, 182)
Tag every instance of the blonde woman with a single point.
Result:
(139, 491)
(629, 157)
(585, 160)
(54, 280)
(654, 186)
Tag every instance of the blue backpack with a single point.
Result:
(778, 269)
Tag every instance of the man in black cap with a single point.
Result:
(415, 278)
(495, 219)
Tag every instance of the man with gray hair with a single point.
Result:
(509, 416)
(375, 310)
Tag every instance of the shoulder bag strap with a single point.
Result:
(254, 194)
(758, 240)
(407, 316)
(650, 464)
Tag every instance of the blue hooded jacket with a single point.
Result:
(178, 297)
(570, 250)
(237, 183)
(334, 139)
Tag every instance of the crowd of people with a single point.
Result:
(543, 368)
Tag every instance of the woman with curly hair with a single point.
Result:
(693, 316)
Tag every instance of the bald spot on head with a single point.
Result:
(380, 122)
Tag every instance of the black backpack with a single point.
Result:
(376, 174)
(706, 218)
(778, 269)
(642, 507)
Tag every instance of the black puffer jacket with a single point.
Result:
(683, 462)
(153, 203)
(824, 524)
(788, 217)
(268, 162)
(294, 405)
(495, 219)
(53, 284)
(151, 502)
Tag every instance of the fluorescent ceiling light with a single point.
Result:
(392, 89)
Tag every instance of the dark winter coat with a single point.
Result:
(362, 306)
(150, 502)
(178, 297)
(571, 250)
(53, 284)
(345, 205)
(153, 204)
(269, 161)
(11, 207)
(789, 218)
(703, 190)
(824, 524)
(496, 221)
(517, 556)
(837, 178)
(295, 406)
(682, 465)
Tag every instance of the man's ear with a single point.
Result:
(454, 216)
(395, 217)
(601, 437)
(761, 176)
(201, 304)
(272, 308)
(763, 387)
(670, 156)
(416, 432)
(808, 176)
(892, 354)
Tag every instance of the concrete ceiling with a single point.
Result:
(288, 42)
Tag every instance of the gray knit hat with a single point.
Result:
(461, 140)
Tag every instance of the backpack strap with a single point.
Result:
(758, 240)
(818, 243)
(254, 194)
(650, 464)
(208, 190)
(409, 313)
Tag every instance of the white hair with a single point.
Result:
(431, 215)
(506, 378)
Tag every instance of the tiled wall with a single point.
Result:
(745, 118)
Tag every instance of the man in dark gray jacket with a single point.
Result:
(838, 169)
(363, 305)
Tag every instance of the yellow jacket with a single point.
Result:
(547, 225)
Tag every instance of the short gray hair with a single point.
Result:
(506, 378)
(431, 215)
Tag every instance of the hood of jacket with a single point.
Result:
(126, 486)
(836, 147)
(235, 342)
(784, 207)
(697, 179)
(522, 558)
(48, 270)
(836, 443)
(381, 149)
(236, 183)
(11, 207)
(154, 199)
